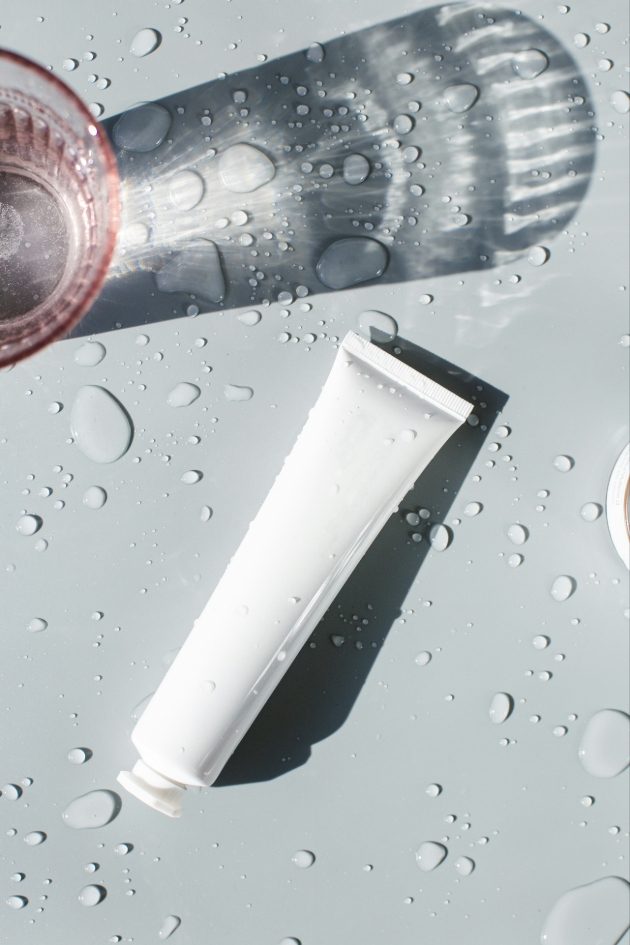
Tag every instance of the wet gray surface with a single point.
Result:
(339, 761)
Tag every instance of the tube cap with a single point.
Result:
(153, 789)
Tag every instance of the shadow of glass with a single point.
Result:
(450, 186)
(316, 696)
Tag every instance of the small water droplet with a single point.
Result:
(473, 508)
(122, 849)
(96, 109)
(206, 513)
(517, 534)
(404, 78)
(356, 169)
(337, 640)
(315, 52)
(604, 746)
(591, 511)
(422, 659)
(541, 642)
(170, 924)
(28, 524)
(12, 792)
(191, 476)
(429, 855)
(249, 318)
(234, 392)
(78, 756)
(501, 707)
(95, 497)
(514, 561)
(70, 64)
(433, 790)
(55, 407)
(37, 624)
(563, 587)
(145, 42)
(459, 98)
(186, 190)
(529, 63)
(183, 395)
(34, 838)
(92, 895)
(581, 40)
(563, 463)
(303, 859)
(425, 299)
(560, 731)
(440, 537)
(91, 810)
(410, 154)
(464, 865)
(620, 101)
(403, 124)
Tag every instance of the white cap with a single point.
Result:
(154, 789)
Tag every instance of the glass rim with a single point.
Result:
(100, 142)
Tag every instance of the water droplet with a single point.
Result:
(422, 659)
(355, 169)
(404, 78)
(544, 676)
(234, 392)
(136, 234)
(591, 511)
(403, 124)
(502, 431)
(440, 537)
(142, 341)
(92, 895)
(283, 337)
(196, 270)
(597, 912)
(170, 924)
(501, 707)
(37, 624)
(100, 426)
(473, 508)
(142, 128)
(464, 865)
(337, 640)
(377, 326)
(620, 101)
(581, 40)
(517, 534)
(416, 190)
(144, 42)
(78, 756)
(96, 109)
(348, 262)
(433, 790)
(91, 810)
(624, 341)
(70, 64)
(41, 545)
(408, 436)
(186, 190)
(425, 299)
(560, 731)
(17, 902)
(315, 53)
(514, 561)
(18, 877)
(34, 838)
(461, 219)
(429, 855)
(243, 168)
(563, 587)
(541, 642)
(28, 524)
(537, 255)
(249, 318)
(192, 476)
(303, 859)
(529, 63)
(122, 849)
(410, 154)
(206, 513)
(12, 792)
(604, 747)
(183, 395)
(459, 98)
(55, 407)
(587, 801)
(605, 65)
(95, 497)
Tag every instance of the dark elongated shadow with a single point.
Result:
(487, 183)
(317, 694)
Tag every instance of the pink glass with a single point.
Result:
(59, 208)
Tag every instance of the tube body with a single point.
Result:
(374, 428)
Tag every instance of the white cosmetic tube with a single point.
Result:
(376, 425)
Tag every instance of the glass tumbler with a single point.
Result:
(59, 207)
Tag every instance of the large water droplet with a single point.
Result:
(563, 587)
(620, 101)
(473, 508)
(170, 924)
(234, 392)
(17, 902)
(315, 52)
(12, 792)
(186, 190)
(92, 895)
(355, 169)
(100, 426)
(142, 128)
(410, 154)
(604, 749)
(377, 326)
(537, 256)
(440, 537)
(28, 524)
(91, 810)
(90, 354)
(192, 476)
(518, 534)
(350, 261)
(144, 42)
(423, 658)
(136, 234)
(78, 756)
(433, 790)
(404, 78)
(34, 838)
(37, 624)
(183, 395)
(501, 707)
(95, 497)
(563, 463)
(303, 859)
(595, 914)
(429, 855)
(403, 124)
(249, 318)
(529, 63)
(464, 865)
(591, 511)
(243, 168)
(541, 642)
(581, 40)
(195, 270)
(459, 98)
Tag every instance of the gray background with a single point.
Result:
(340, 759)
